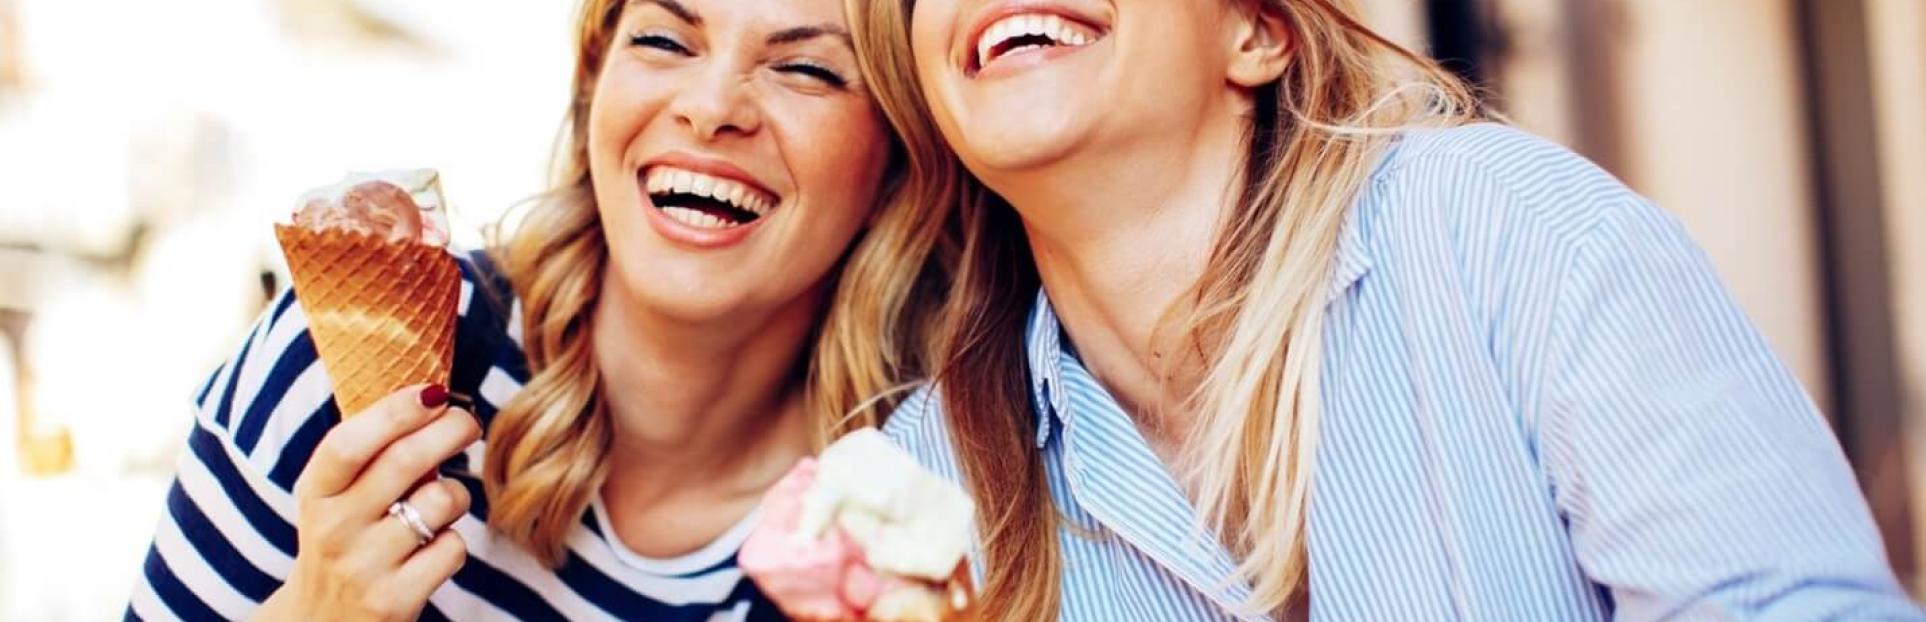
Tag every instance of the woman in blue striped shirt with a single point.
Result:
(1255, 321)
(664, 335)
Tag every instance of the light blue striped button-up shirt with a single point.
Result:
(1540, 404)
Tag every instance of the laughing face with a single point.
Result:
(734, 151)
(1020, 85)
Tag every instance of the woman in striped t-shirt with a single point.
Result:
(681, 319)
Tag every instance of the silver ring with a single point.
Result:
(405, 512)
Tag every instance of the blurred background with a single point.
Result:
(145, 147)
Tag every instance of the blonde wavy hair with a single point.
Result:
(547, 447)
(1255, 318)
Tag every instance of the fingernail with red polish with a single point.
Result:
(434, 396)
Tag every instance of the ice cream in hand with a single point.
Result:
(379, 288)
(863, 533)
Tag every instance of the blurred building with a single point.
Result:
(143, 157)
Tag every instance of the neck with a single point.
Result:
(718, 403)
(1118, 242)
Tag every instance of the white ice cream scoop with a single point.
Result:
(908, 522)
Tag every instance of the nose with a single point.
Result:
(716, 103)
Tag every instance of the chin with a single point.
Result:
(692, 306)
(685, 293)
(1027, 121)
(1018, 137)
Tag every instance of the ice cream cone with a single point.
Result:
(381, 313)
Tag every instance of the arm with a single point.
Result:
(1698, 479)
(243, 538)
(226, 540)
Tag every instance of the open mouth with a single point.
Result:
(1017, 34)
(705, 201)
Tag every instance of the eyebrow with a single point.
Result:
(674, 8)
(781, 37)
(805, 33)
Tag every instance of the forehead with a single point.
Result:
(759, 14)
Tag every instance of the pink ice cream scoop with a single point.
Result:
(805, 576)
(375, 208)
(833, 546)
(394, 206)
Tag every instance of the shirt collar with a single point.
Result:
(1353, 260)
(1045, 343)
(1115, 477)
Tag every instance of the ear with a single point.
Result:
(1260, 44)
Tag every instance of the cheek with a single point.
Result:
(620, 110)
(930, 26)
(842, 163)
(928, 22)
(601, 121)
(935, 75)
(1191, 49)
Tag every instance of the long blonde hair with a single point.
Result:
(1256, 315)
(547, 447)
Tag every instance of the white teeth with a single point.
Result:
(984, 43)
(666, 180)
(1062, 31)
(1058, 30)
(736, 196)
(694, 218)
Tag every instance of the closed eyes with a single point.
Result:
(809, 69)
(660, 42)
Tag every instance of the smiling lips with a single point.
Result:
(705, 201)
(1031, 31)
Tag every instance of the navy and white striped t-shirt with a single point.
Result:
(227, 540)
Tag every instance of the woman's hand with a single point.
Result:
(356, 561)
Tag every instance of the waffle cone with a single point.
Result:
(382, 314)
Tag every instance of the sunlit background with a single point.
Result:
(145, 147)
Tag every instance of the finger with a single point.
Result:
(429, 567)
(782, 504)
(439, 503)
(860, 586)
(806, 579)
(347, 449)
(403, 464)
